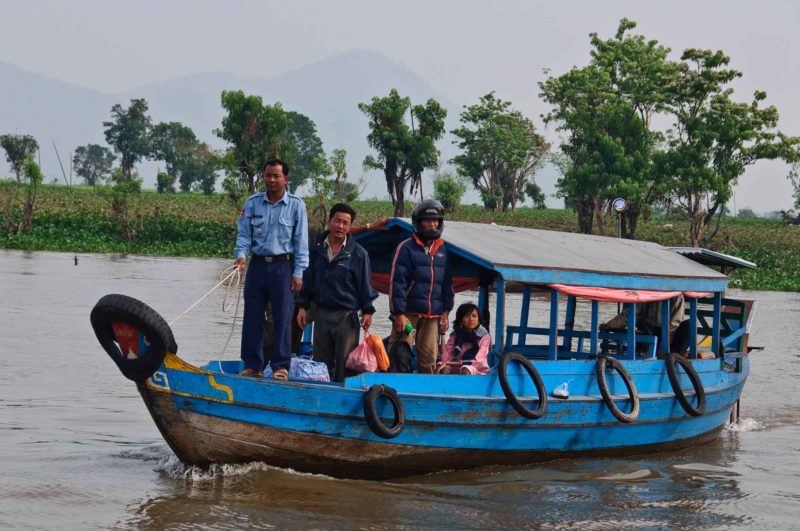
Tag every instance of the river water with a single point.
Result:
(78, 449)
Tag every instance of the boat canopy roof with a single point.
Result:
(713, 258)
(482, 252)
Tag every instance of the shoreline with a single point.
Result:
(78, 220)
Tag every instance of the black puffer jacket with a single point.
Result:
(344, 283)
(421, 282)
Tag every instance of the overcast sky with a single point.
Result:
(464, 48)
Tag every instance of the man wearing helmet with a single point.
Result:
(421, 285)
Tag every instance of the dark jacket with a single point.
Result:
(420, 283)
(345, 283)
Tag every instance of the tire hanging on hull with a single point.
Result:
(374, 421)
(502, 372)
(602, 383)
(133, 334)
(674, 359)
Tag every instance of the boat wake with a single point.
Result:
(173, 467)
(745, 424)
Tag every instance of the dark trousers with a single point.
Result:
(267, 282)
(680, 338)
(335, 335)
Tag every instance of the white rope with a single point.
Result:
(226, 276)
(235, 311)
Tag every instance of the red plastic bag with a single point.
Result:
(361, 359)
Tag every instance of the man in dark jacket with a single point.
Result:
(421, 284)
(338, 282)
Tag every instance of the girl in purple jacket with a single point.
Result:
(468, 348)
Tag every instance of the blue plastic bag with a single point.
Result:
(304, 368)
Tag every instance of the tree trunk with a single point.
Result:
(27, 218)
(251, 183)
(399, 197)
(602, 222)
(585, 215)
(698, 218)
(630, 220)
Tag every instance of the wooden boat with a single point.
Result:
(627, 399)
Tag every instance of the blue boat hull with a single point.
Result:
(451, 422)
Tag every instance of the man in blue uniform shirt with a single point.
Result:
(273, 227)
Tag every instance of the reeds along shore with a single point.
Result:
(79, 220)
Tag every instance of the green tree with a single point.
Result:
(344, 190)
(501, 151)
(17, 210)
(165, 184)
(174, 144)
(18, 148)
(124, 189)
(448, 189)
(534, 191)
(128, 133)
(93, 162)
(404, 150)
(607, 108)
(256, 133)
(203, 166)
(32, 178)
(794, 177)
(714, 139)
(746, 213)
(309, 158)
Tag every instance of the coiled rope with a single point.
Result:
(230, 279)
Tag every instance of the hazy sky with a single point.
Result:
(464, 49)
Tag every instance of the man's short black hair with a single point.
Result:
(276, 162)
(343, 208)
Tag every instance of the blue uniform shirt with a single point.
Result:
(268, 230)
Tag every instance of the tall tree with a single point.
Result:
(309, 159)
(33, 177)
(404, 150)
(714, 139)
(338, 165)
(128, 132)
(342, 189)
(202, 166)
(607, 109)
(501, 151)
(256, 133)
(794, 177)
(175, 144)
(18, 148)
(93, 162)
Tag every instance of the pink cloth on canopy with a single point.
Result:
(380, 281)
(623, 295)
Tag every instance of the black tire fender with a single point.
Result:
(674, 359)
(615, 364)
(502, 372)
(153, 335)
(374, 422)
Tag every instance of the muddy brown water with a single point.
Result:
(78, 449)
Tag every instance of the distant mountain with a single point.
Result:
(328, 92)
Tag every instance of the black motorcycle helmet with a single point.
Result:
(428, 209)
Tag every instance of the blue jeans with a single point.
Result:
(267, 282)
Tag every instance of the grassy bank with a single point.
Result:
(78, 220)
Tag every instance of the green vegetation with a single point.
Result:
(501, 151)
(608, 110)
(404, 150)
(80, 220)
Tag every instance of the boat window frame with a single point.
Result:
(503, 335)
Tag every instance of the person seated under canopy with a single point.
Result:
(648, 322)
